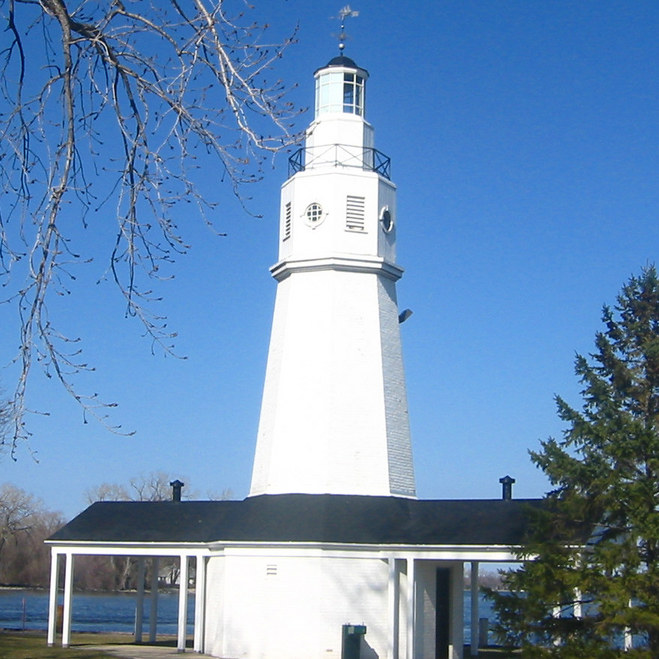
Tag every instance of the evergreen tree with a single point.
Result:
(590, 572)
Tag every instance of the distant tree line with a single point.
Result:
(25, 523)
(488, 578)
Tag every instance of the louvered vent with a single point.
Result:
(355, 213)
(287, 221)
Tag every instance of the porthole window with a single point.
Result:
(314, 214)
(386, 219)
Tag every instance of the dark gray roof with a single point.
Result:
(305, 518)
(342, 60)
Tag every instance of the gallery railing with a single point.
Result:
(340, 155)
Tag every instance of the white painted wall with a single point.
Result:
(278, 606)
(346, 129)
(334, 416)
(331, 237)
(426, 602)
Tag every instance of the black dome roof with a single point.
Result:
(342, 60)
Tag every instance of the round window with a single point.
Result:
(386, 219)
(314, 214)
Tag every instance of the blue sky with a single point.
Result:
(524, 143)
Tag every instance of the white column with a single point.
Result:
(556, 613)
(394, 610)
(153, 613)
(456, 645)
(577, 609)
(52, 600)
(627, 638)
(139, 604)
(474, 609)
(68, 600)
(200, 604)
(411, 608)
(182, 603)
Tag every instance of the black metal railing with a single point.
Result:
(340, 155)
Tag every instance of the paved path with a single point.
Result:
(143, 651)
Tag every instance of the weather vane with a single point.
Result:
(344, 13)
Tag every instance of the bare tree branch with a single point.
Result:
(112, 110)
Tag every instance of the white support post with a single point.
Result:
(52, 599)
(394, 609)
(68, 600)
(153, 613)
(411, 607)
(182, 603)
(456, 646)
(139, 604)
(627, 638)
(577, 610)
(474, 609)
(200, 604)
(556, 613)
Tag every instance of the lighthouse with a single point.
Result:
(331, 555)
(334, 417)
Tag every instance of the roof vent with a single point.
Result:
(507, 487)
(177, 486)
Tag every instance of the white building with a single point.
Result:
(334, 415)
(331, 555)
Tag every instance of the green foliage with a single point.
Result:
(595, 546)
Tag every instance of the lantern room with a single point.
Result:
(340, 88)
(339, 132)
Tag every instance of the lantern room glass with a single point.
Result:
(339, 91)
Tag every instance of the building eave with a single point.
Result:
(344, 263)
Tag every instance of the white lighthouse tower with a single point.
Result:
(334, 415)
(331, 556)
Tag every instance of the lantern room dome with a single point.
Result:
(342, 60)
(340, 87)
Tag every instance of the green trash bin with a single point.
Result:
(351, 640)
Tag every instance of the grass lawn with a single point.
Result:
(32, 645)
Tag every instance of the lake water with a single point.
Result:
(115, 612)
(95, 612)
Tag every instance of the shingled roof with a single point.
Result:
(321, 518)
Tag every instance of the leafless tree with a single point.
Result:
(120, 572)
(154, 486)
(17, 509)
(225, 495)
(5, 418)
(24, 525)
(107, 492)
(111, 105)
